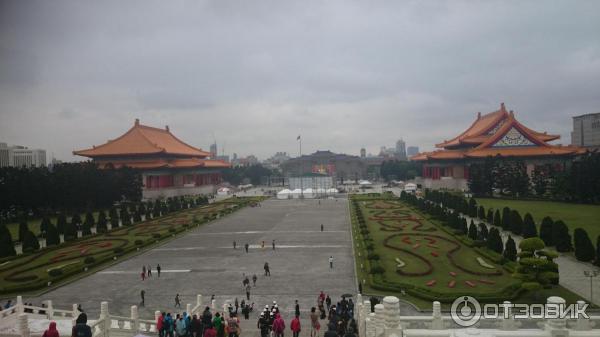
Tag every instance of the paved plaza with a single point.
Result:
(203, 261)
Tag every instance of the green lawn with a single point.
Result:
(574, 215)
(71, 259)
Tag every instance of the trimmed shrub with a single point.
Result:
(597, 262)
(44, 225)
(156, 235)
(490, 216)
(497, 219)
(377, 269)
(516, 222)
(472, 231)
(505, 218)
(546, 231)
(101, 225)
(483, 232)
(118, 250)
(561, 237)
(172, 230)
(7, 247)
(89, 260)
(584, 249)
(86, 229)
(510, 249)
(494, 241)
(139, 242)
(55, 272)
(481, 213)
(529, 230)
(52, 236)
(31, 242)
(23, 229)
(61, 223)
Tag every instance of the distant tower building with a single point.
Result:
(213, 150)
(401, 149)
(21, 156)
(363, 153)
(586, 131)
(412, 150)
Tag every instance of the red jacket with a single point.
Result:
(295, 325)
(159, 323)
(51, 332)
(210, 332)
(278, 324)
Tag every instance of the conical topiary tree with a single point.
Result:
(584, 249)
(114, 217)
(89, 222)
(494, 241)
(156, 208)
(7, 247)
(44, 225)
(597, 262)
(61, 223)
(30, 243)
(510, 249)
(483, 232)
(125, 217)
(497, 219)
(472, 208)
(76, 221)
(71, 228)
(561, 237)
(516, 222)
(463, 226)
(481, 213)
(490, 216)
(506, 218)
(546, 231)
(52, 237)
(472, 230)
(23, 229)
(529, 230)
(101, 225)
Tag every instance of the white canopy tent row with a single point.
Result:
(410, 188)
(223, 191)
(308, 193)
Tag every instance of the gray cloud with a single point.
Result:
(344, 74)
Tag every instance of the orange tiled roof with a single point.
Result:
(143, 140)
(174, 163)
(484, 127)
(498, 133)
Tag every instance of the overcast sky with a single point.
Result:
(255, 74)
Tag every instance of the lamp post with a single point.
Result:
(591, 274)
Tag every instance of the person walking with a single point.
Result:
(267, 270)
(209, 330)
(233, 326)
(297, 309)
(142, 295)
(234, 244)
(278, 326)
(180, 328)
(321, 227)
(177, 301)
(315, 326)
(143, 275)
(273, 244)
(149, 271)
(144, 269)
(81, 329)
(196, 327)
(295, 326)
(158, 269)
(51, 331)
(262, 245)
(248, 292)
(168, 325)
(160, 328)
(331, 331)
(237, 305)
(246, 246)
(206, 318)
(218, 323)
(263, 325)
(254, 278)
(330, 262)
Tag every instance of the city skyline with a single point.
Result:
(345, 75)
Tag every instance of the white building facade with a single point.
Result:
(21, 156)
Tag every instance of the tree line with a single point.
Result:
(577, 180)
(247, 174)
(34, 191)
(399, 170)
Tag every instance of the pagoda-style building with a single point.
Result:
(494, 134)
(169, 167)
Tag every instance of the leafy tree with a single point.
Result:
(546, 231)
(584, 249)
(490, 216)
(137, 216)
(114, 217)
(7, 247)
(481, 177)
(510, 249)
(506, 218)
(481, 213)
(483, 232)
(70, 232)
(52, 236)
(86, 229)
(44, 225)
(497, 219)
(30, 242)
(156, 208)
(463, 226)
(125, 216)
(472, 231)
(472, 208)
(23, 229)
(76, 221)
(101, 226)
(536, 266)
(561, 237)
(516, 222)
(494, 241)
(61, 223)
(529, 230)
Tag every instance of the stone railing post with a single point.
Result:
(106, 321)
(20, 309)
(188, 309)
(212, 304)
(556, 327)
(135, 316)
(199, 302)
(23, 325)
(366, 310)
(370, 328)
(74, 313)
(50, 310)
(379, 319)
(582, 324)
(436, 317)
(392, 326)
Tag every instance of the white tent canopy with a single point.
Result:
(410, 187)
(364, 183)
(284, 194)
(223, 191)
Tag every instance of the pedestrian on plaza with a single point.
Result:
(149, 271)
(331, 331)
(79, 308)
(263, 325)
(315, 326)
(295, 326)
(144, 269)
(254, 278)
(168, 325)
(177, 301)
(218, 323)
(206, 318)
(297, 309)
(262, 245)
(267, 270)
(8, 304)
(328, 302)
(158, 269)
(142, 294)
(160, 325)
(196, 327)
(236, 304)
(330, 262)
(321, 227)
(81, 329)
(143, 275)
(248, 292)
(273, 244)
(209, 330)
(278, 326)
(234, 244)
(180, 328)
(352, 326)
(246, 311)
(51, 331)
(246, 246)
(233, 326)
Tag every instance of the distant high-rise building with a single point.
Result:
(213, 150)
(586, 130)
(363, 153)
(412, 150)
(401, 149)
(19, 156)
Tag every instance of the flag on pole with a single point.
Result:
(298, 137)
